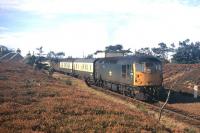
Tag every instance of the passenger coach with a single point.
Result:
(83, 68)
(66, 66)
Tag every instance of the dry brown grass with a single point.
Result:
(185, 76)
(30, 101)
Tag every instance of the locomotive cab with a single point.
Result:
(147, 74)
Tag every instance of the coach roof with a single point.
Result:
(85, 60)
(67, 60)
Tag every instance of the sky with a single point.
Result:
(80, 27)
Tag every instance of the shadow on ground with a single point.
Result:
(182, 97)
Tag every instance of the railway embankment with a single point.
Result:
(31, 101)
(182, 77)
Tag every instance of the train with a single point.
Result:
(140, 77)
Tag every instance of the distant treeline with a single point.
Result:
(186, 53)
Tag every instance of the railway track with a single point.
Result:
(180, 115)
(171, 112)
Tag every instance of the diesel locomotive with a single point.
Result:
(135, 76)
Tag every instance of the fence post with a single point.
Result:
(195, 91)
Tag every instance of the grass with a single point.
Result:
(190, 130)
(142, 108)
(51, 105)
(68, 81)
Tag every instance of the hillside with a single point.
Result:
(31, 101)
(183, 77)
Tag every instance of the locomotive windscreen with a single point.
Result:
(148, 67)
(152, 67)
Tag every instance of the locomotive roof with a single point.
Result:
(130, 59)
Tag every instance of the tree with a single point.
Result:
(144, 51)
(38, 59)
(40, 51)
(30, 59)
(114, 48)
(90, 56)
(29, 53)
(60, 55)
(187, 52)
(51, 55)
(18, 51)
(162, 51)
(118, 48)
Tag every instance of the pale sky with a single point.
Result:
(84, 26)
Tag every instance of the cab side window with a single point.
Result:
(129, 70)
(124, 71)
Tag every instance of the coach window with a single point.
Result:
(124, 71)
